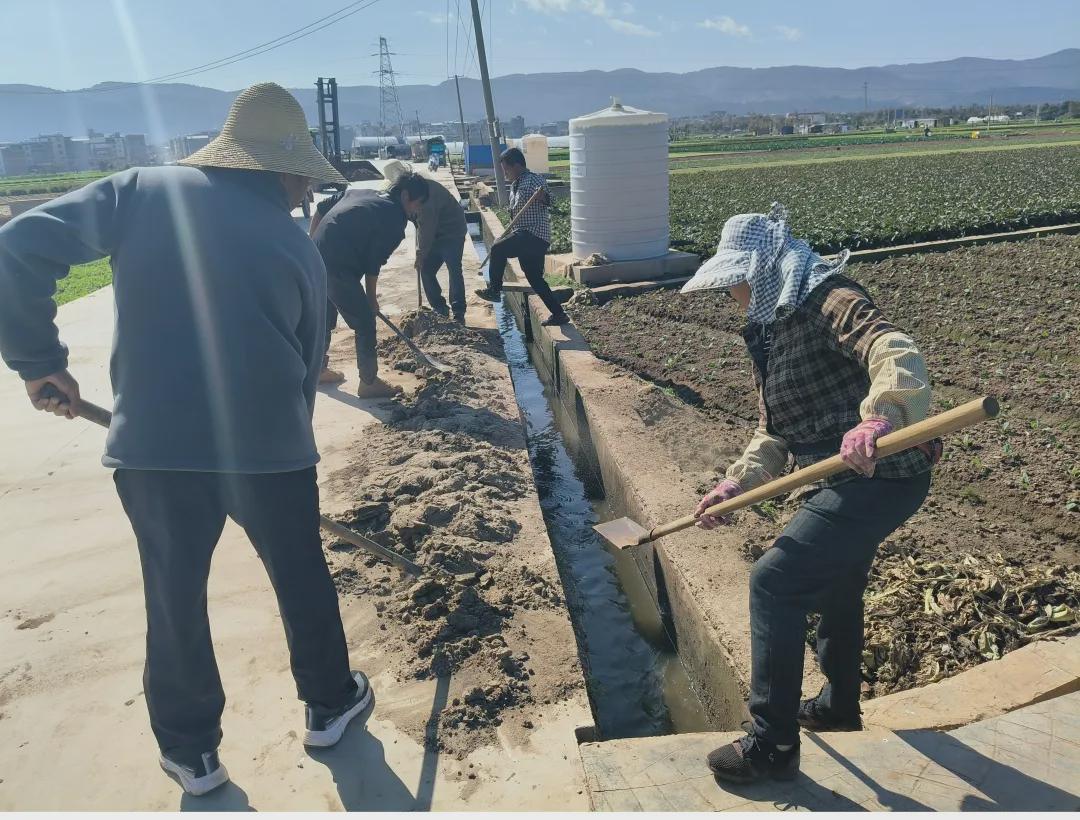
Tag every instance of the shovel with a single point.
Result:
(625, 532)
(102, 417)
(420, 355)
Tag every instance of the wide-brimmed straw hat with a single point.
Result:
(266, 131)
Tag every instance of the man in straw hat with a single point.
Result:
(356, 231)
(220, 305)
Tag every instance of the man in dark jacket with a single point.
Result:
(356, 231)
(220, 305)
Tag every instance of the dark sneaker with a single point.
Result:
(489, 295)
(556, 320)
(815, 718)
(327, 729)
(459, 318)
(751, 758)
(197, 776)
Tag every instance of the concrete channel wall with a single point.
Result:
(641, 481)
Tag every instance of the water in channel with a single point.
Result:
(636, 684)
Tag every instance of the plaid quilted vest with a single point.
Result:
(811, 373)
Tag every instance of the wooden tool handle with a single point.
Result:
(99, 415)
(919, 433)
(87, 410)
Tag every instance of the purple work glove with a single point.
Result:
(859, 448)
(726, 489)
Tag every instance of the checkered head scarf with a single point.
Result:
(759, 249)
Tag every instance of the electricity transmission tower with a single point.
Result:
(389, 106)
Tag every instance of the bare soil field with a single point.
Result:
(993, 558)
(445, 480)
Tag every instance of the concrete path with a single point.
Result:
(1028, 760)
(72, 716)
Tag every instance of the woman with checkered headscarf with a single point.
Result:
(832, 374)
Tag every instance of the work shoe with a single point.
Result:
(556, 320)
(752, 758)
(489, 295)
(329, 376)
(815, 718)
(196, 776)
(459, 318)
(324, 729)
(377, 389)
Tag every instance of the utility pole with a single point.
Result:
(990, 113)
(389, 105)
(464, 132)
(489, 104)
(419, 130)
(866, 98)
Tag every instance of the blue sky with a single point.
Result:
(76, 43)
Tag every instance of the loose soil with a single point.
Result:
(972, 575)
(445, 481)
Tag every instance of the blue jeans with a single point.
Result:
(820, 564)
(446, 250)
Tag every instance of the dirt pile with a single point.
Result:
(443, 482)
(999, 319)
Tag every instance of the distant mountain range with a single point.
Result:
(185, 109)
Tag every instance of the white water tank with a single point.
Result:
(535, 148)
(619, 183)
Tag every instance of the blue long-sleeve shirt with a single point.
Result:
(220, 305)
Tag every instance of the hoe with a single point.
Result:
(102, 417)
(625, 532)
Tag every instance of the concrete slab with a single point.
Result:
(1026, 761)
(675, 263)
(1037, 672)
(74, 723)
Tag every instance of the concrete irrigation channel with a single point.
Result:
(648, 455)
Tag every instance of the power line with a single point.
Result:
(270, 45)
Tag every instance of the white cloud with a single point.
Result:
(548, 6)
(434, 17)
(789, 33)
(626, 27)
(726, 25)
(597, 8)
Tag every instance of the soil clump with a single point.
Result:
(445, 481)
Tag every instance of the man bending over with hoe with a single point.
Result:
(833, 374)
(356, 231)
(220, 304)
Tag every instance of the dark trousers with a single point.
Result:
(347, 297)
(447, 250)
(177, 518)
(820, 564)
(529, 251)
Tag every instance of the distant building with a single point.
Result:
(516, 127)
(138, 152)
(183, 147)
(919, 122)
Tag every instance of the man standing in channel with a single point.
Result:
(530, 238)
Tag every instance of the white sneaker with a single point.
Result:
(326, 730)
(198, 778)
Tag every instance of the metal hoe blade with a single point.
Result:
(420, 355)
(622, 533)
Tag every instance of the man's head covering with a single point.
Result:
(266, 131)
(759, 249)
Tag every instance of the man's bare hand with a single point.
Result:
(57, 393)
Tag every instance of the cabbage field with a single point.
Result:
(880, 202)
(869, 203)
